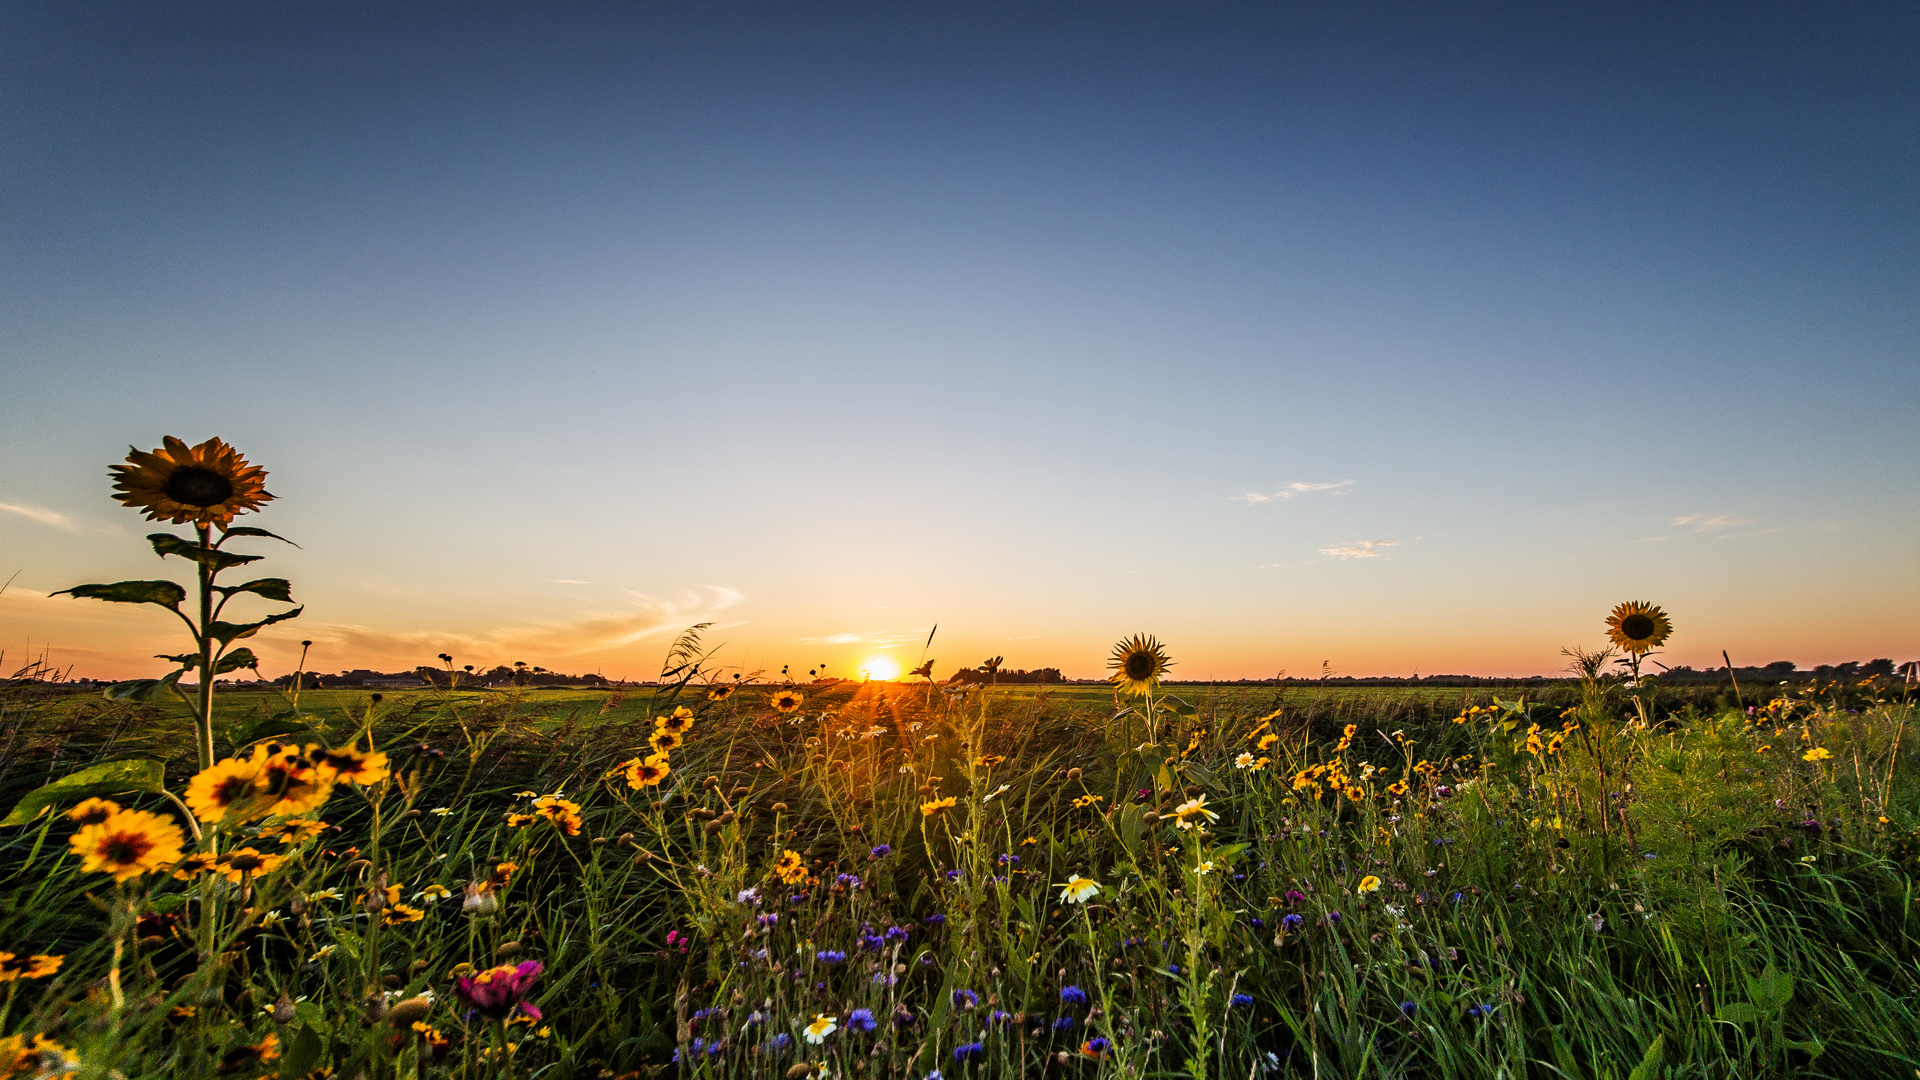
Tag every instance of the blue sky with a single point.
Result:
(558, 329)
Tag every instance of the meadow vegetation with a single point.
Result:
(726, 877)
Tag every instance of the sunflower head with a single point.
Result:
(1638, 627)
(93, 812)
(292, 781)
(128, 844)
(788, 701)
(664, 741)
(225, 787)
(719, 692)
(680, 721)
(1137, 664)
(648, 772)
(206, 484)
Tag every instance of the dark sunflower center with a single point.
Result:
(232, 789)
(1139, 666)
(126, 848)
(198, 487)
(246, 863)
(1638, 627)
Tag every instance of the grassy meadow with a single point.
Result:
(899, 880)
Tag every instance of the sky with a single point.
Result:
(1381, 337)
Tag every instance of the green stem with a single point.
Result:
(203, 719)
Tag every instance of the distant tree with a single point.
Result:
(1882, 666)
(1780, 669)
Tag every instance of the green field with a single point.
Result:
(1632, 896)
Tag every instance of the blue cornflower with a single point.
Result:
(1064, 1023)
(1456, 898)
(881, 851)
(936, 919)
(969, 1051)
(896, 933)
(769, 919)
(1240, 1001)
(830, 956)
(1072, 995)
(1293, 922)
(1173, 969)
(1409, 1008)
(999, 1018)
(862, 1020)
(966, 999)
(1482, 1011)
(953, 875)
(780, 1041)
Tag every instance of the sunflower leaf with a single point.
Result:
(235, 660)
(248, 530)
(165, 544)
(164, 593)
(226, 632)
(272, 588)
(245, 734)
(95, 781)
(148, 689)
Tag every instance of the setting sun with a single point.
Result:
(882, 668)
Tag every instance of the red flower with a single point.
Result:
(498, 991)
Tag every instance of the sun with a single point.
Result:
(880, 668)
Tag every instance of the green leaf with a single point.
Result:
(1773, 990)
(164, 593)
(1179, 706)
(248, 530)
(265, 727)
(1811, 1047)
(1737, 1012)
(168, 903)
(146, 689)
(1649, 1067)
(94, 781)
(165, 544)
(1230, 851)
(226, 632)
(272, 588)
(302, 1054)
(1563, 1054)
(235, 660)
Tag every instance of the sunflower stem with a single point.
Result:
(203, 719)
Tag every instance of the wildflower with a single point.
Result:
(1408, 1008)
(286, 781)
(194, 865)
(1818, 753)
(433, 892)
(564, 814)
(830, 956)
(1597, 921)
(680, 721)
(988, 761)
(719, 692)
(238, 865)
(127, 844)
(647, 772)
(861, 1020)
(480, 898)
(293, 830)
(1369, 884)
(223, 786)
(1064, 1023)
(1266, 742)
(1085, 801)
(1137, 664)
(1240, 1001)
(1260, 765)
(395, 914)
(38, 966)
(1809, 859)
(966, 1052)
(1346, 739)
(1293, 922)
(1203, 869)
(1243, 761)
(1078, 890)
(441, 811)
(93, 812)
(1192, 810)
(353, 765)
(664, 741)
(779, 1040)
(938, 806)
(499, 991)
(966, 1000)
(1482, 1011)
(1072, 995)
(245, 1057)
(206, 484)
(1097, 1048)
(935, 919)
(1638, 627)
(787, 701)
(823, 1025)
(791, 868)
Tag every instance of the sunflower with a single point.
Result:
(680, 721)
(664, 741)
(564, 813)
(238, 865)
(1638, 627)
(206, 484)
(37, 966)
(647, 773)
(351, 764)
(791, 867)
(719, 692)
(293, 830)
(93, 812)
(396, 914)
(195, 864)
(938, 806)
(128, 844)
(787, 701)
(224, 786)
(1137, 663)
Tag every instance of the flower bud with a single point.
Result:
(283, 1010)
(507, 950)
(406, 1012)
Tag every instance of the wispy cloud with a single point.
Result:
(1701, 523)
(1295, 489)
(570, 581)
(42, 515)
(1365, 549)
(879, 639)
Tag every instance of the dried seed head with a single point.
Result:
(507, 950)
(406, 1012)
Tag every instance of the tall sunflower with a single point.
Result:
(1638, 627)
(206, 484)
(1137, 664)
(128, 844)
(787, 701)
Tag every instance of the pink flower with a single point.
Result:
(498, 991)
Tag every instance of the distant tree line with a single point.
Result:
(981, 675)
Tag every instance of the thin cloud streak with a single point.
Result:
(41, 515)
(1365, 549)
(1297, 488)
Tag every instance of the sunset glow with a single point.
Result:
(879, 668)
